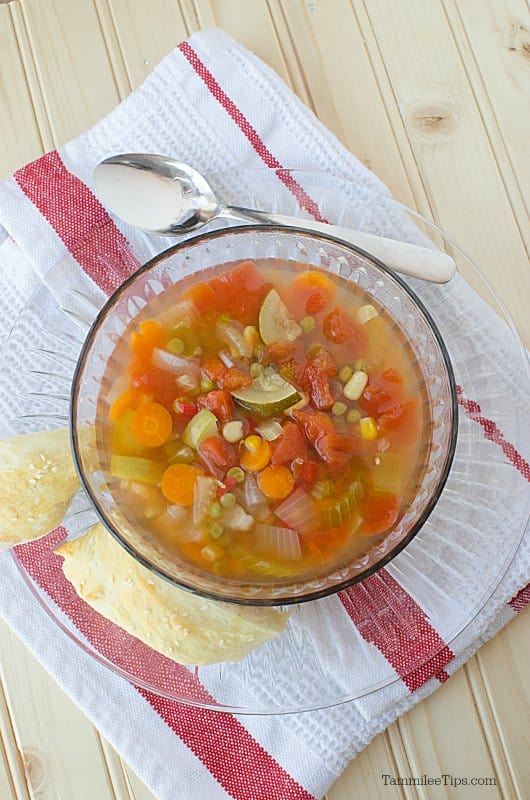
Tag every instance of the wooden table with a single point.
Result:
(433, 96)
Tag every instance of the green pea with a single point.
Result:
(175, 346)
(207, 385)
(307, 324)
(338, 409)
(353, 416)
(227, 500)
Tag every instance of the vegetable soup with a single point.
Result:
(265, 422)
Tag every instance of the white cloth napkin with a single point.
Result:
(216, 106)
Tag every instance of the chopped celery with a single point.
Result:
(200, 427)
(212, 552)
(176, 452)
(215, 509)
(263, 566)
(215, 529)
(337, 513)
(123, 440)
(322, 489)
(132, 468)
(386, 473)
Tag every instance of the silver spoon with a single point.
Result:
(168, 197)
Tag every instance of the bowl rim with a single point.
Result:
(114, 530)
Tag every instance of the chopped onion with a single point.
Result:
(227, 359)
(261, 512)
(252, 493)
(270, 429)
(278, 542)
(232, 334)
(204, 491)
(236, 519)
(299, 512)
(177, 365)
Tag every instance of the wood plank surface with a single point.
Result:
(428, 93)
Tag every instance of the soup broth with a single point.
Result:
(265, 423)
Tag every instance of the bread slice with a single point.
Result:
(183, 626)
(37, 483)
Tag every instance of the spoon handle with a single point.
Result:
(408, 259)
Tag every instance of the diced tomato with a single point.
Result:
(219, 403)
(160, 385)
(392, 375)
(305, 472)
(379, 395)
(337, 449)
(203, 297)
(400, 422)
(240, 291)
(228, 379)
(292, 370)
(289, 446)
(185, 408)
(339, 328)
(218, 455)
(320, 362)
(315, 378)
(276, 352)
(317, 301)
(213, 368)
(379, 512)
(234, 379)
(314, 423)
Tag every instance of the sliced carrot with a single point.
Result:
(152, 425)
(276, 483)
(256, 459)
(311, 279)
(128, 399)
(150, 334)
(178, 482)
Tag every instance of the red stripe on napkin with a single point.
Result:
(521, 599)
(79, 220)
(388, 617)
(236, 760)
(494, 434)
(304, 200)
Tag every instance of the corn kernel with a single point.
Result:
(354, 415)
(366, 313)
(253, 443)
(356, 385)
(345, 374)
(233, 431)
(367, 427)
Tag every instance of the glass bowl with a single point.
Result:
(404, 623)
(94, 376)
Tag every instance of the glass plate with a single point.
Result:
(412, 611)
